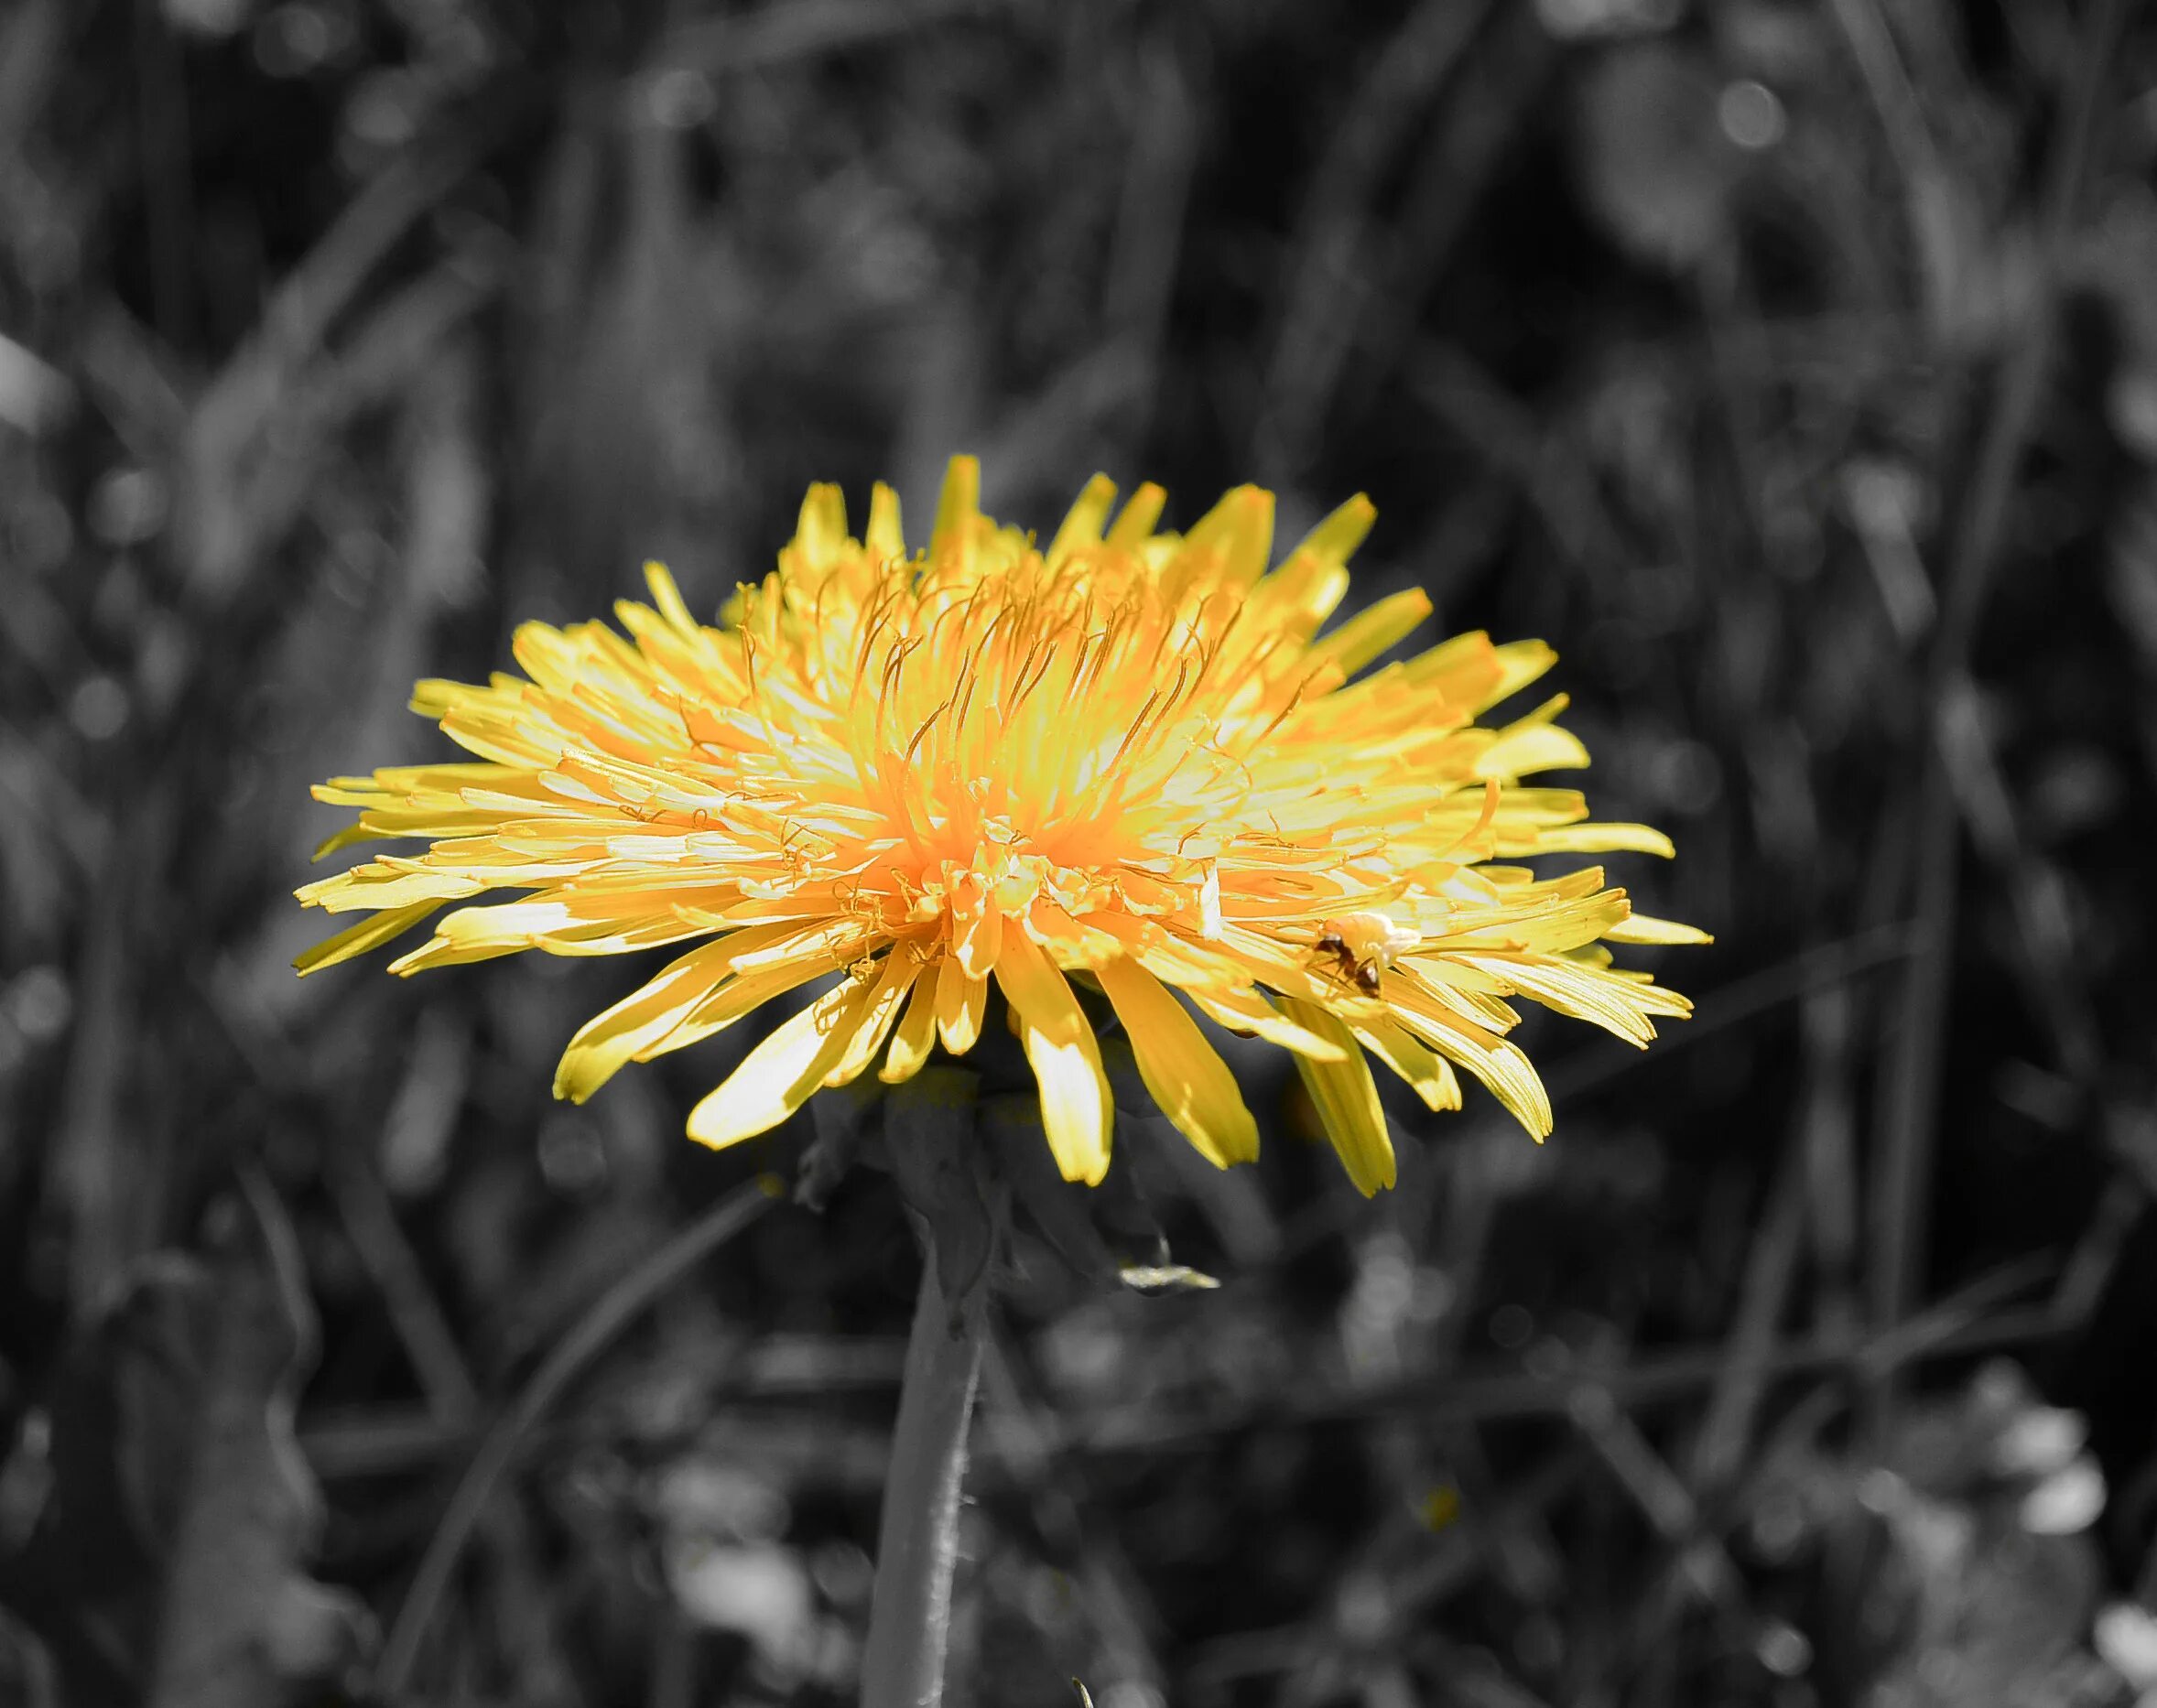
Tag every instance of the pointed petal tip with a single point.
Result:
(961, 498)
(1647, 931)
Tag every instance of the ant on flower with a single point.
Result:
(1363, 945)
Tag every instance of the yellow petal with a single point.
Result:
(961, 999)
(958, 504)
(1169, 957)
(782, 1073)
(977, 926)
(1240, 528)
(916, 1033)
(1528, 748)
(1335, 539)
(384, 884)
(1082, 526)
(884, 539)
(1431, 1076)
(819, 535)
(1066, 1058)
(1370, 631)
(1347, 1100)
(1620, 1006)
(1192, 1085)
(1519, 663)
(1141, 512)
(1603, 840)
(735, 1000)
(1640, 928)
(1300, 595)
(895, 979)
(556, 926)
(667, 598)
(368, 933)
(1501, 1067)
(1244, 1010)
(1072, 943)
(360, 830)
(609, 1041)
(844, 936)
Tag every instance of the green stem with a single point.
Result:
(917, 1543)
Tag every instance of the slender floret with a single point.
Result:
(1126, 764)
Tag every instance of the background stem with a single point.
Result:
(594, 1332)
(917, 1540)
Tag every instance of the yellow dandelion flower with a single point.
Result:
(1126, 764)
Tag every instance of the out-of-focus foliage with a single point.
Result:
(162, 1557)
(1791, 367)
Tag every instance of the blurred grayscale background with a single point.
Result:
(1790, 365)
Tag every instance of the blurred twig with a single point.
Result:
(1575, 1076)
(1150, 221)
(1743, 999)
(772, 35)
(2045, 931)
(1503, 433)
(1465, 1550)
(1319, 312)
(108, 1174)
(1911, 1077)
(593, 1332)
(162, 133)
(1761, 1299)
(1955, 1328)
(1910, 143)
(371, 1221)
(1067, 1518)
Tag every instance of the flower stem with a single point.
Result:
(917, 1543)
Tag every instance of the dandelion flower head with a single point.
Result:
(1126, 762)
